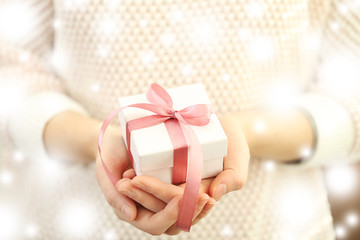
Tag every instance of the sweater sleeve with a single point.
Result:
(30, 92)
(333, 104)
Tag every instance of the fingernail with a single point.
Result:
(207, 211)
(202, 202)
(121, 181)
(212, 201)
(139, 185)
(125, 210)
(219, 191)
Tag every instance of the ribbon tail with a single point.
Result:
(193, 180)
(103, 128)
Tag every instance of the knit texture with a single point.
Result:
(246, 53)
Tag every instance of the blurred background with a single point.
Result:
(344, 193)
(76, 216)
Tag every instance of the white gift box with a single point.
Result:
(151, 147)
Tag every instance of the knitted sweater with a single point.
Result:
(82, 55)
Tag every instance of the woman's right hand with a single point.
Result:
(73, 137)
(116, 158)
(162, 215)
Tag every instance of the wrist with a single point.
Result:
(247, 121)
(71, 136)
(90, 130)
(276, 134)
(242, 120)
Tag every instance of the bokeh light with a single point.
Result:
(283, 93)
(102, 51)
(259, 126)
(18, 156)
(167, 39)
(269, 165)
(226, 78)
(109, 26)
(16, 20)
(339, 75)
(59, 60)
(306, 152)
(143, 23)
(6, 177)
(313, 40)
(341, 180)
(187, 69)
(244, 34)
(261, 48)
(147, 58)
(255, 9)
(296, 206)
(111, 235)
(204, 31)
(76, 218)
(49, 172)
(31, 230)
(352, 219)
(175, 15)
(24, 57)
(9, 221)
(95, 87)
(11, 95)
(57, 24)
(227, 231)
(340, 232)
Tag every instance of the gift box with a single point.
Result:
(151, 147)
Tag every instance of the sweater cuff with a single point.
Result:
(26, 124)
(333, 129)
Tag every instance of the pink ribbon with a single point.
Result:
(184, 140)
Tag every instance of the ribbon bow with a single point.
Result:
(177, 124)
(162, 104)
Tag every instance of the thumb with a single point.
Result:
(122, 203)
(227, 181)
(233, 177)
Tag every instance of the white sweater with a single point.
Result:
(246, 53)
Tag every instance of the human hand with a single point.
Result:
(151, 215)
(154, 194)
(116, 158)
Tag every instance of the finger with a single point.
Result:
(116, 159)
(205, 185)
(238, 151)
(130, 173)
(202, 200)
(161, 190)
(158, 223)
(236, 162)
(227, 181)
(173, 230)
(125, 205)
(205, 211)
(146, 199)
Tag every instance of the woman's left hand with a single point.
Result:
(152, 193)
